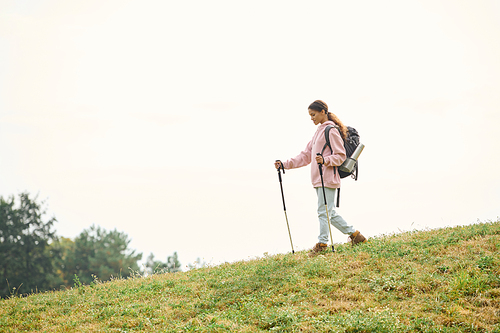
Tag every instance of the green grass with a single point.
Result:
(444, 280)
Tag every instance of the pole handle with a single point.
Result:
(281, 166)
(320, 166)
(279, 170)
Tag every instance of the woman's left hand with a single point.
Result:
(320, 159)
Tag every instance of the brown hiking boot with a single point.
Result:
(357, 237)
(317, 249)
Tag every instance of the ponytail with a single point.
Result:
(319, 106)
(342, 127)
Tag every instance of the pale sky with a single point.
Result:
(162, 119)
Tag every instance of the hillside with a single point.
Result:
(444, 280)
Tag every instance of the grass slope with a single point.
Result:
(445, 280)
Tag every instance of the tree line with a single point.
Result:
(34, 259)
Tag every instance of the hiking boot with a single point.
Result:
(317, 249)
(357, 237)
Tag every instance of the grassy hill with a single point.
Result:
(445, 280)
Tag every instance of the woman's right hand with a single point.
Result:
(278, 164)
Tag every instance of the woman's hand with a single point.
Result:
(278, 164)
(320, 159)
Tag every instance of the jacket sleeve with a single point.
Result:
(302, 159)
(338, 156)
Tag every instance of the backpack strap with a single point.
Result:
(338, 189)
(327, 144)
(327, 139)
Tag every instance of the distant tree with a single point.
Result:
(100, 253)
(64, 263)
(26, 259)
(172, 264)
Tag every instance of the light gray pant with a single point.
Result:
(335, 219)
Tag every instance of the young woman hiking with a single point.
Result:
(318, 111)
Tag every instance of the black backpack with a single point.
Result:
(351, 142)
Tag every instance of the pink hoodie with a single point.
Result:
(316, 146)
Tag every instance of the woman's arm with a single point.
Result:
(302, 159)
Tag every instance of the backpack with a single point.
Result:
(351, 142)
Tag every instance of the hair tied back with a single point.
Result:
(319, 105)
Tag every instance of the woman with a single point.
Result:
(329, 161)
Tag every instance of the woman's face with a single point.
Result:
(318, 117)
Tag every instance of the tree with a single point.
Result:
(65, 262)
(100, 253)
(26, 259)
(172, 264)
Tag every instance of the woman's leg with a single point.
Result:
(335, 219)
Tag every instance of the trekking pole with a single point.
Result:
(324, 196)
(284, 207)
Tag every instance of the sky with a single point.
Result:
(162, 119)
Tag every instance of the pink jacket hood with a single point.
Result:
(331, 178)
